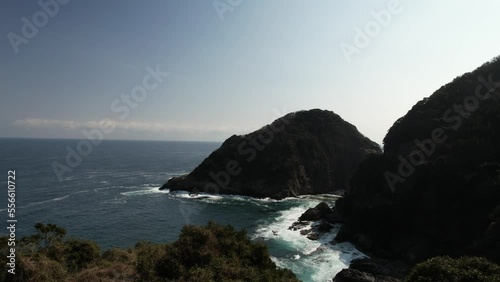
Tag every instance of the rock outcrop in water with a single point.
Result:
(436, 188)
(307, 152)
(323, 217)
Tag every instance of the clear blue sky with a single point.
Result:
(264, 59)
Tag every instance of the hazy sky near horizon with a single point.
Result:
(229, 75)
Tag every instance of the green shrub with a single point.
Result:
(80, 254)
(148, 257)
(38, 268)
(215, 253)
(465, 269)
(108, 272)
(118, 255)
(48, 234)
(210, 253)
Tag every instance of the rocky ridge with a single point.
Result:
(306, 152)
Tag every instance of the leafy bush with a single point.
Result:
(465, 269)
(148, 257)
(38, 268)
(80, 254)
(210, 253)
(118, 255)
(48, 234)
(107, 272)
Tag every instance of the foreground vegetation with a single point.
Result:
(466, 269)
(209, 253)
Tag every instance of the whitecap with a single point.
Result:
(198, 196)
(116, 200)
(310, 260)
(45, 202)
(155, 190)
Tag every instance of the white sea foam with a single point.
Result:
(278, 230)
(51, 200)
(116, 201)
(320, 197)
(149, 191)
(97, 190)
(311, 260)
(69, 178)
(198, 196)
(228, 197)
(150, 185)
(225, 199)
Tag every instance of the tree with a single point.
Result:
(49, 233)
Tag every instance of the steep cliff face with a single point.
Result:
(436, 188)
(306, 152)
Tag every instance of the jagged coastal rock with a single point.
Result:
(373, 270)
(322, 215)
(306, 152)
(436, 188)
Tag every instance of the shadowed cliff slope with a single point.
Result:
(436, 188)
(306, 152)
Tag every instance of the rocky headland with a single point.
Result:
(306, 152)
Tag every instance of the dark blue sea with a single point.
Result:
(112, 197)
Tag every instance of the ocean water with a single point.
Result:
(113, 198)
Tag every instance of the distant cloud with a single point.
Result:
(154, 127)
(45, 123)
